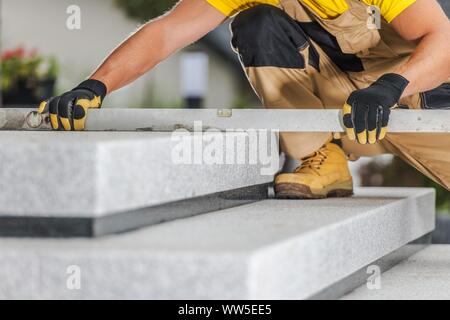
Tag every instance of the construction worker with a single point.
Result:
(308, 54)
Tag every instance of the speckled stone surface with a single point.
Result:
(91, 174)
(266, 250)
(424, 276)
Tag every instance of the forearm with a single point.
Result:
(189, 21)
(429, 66)
(134, 57)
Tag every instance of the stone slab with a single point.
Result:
(271, 249)
(423, 276)
(95, 174)
(354, 281)
(73, 227)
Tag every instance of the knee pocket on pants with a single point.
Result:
(267, 36)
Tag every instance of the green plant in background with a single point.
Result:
(241, 102)
(400, 174)
(18, 64)
(144, 10)
(52, 68)
(26, 76)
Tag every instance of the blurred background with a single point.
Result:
(44, 33)
(40, 57)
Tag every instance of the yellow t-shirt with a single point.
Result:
(326, 9)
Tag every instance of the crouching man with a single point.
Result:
(308, 54)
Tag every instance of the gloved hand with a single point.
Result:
(68, 111)
(366, 112)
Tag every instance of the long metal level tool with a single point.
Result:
(406, 121)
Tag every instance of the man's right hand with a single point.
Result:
(69, 111)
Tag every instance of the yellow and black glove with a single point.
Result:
(68, 112)
(366, 112)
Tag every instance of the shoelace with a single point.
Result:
(314, 161)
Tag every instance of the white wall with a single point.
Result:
(41, 24)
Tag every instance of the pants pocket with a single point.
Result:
(437, 99)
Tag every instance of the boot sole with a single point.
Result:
(300, 191)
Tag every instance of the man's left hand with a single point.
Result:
(366, 112)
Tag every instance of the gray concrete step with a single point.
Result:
(76, 184)
(423, 276)
(265, 250)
